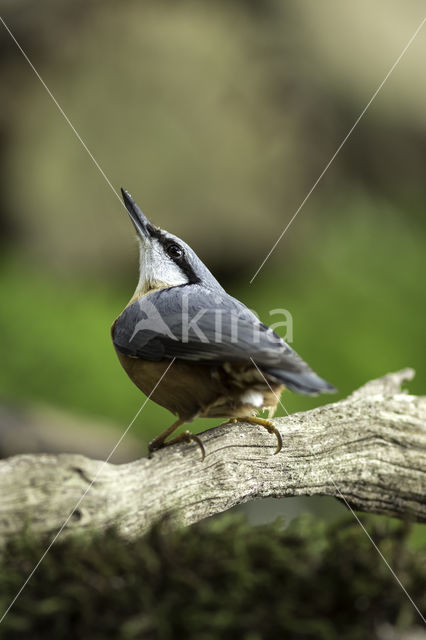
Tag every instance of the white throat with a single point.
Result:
(156, 269)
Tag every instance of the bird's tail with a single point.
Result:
(306, 382)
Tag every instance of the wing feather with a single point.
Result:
(194, 323)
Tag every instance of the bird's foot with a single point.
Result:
(185, 436)
(269, 426)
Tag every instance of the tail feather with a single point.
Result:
(306, 382)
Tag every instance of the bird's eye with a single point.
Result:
(175, 251)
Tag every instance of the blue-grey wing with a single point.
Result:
(197, 324)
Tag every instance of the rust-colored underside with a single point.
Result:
(192, 389)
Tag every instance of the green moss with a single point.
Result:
(222, 578)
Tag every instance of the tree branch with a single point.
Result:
(369, 448)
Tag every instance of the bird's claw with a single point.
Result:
(279, 438)
(270, 427)
(185, 436)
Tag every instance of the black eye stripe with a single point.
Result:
(182, 262)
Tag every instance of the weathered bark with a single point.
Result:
(369, 448)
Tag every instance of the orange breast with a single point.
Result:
(185, 389)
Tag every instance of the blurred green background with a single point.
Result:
(218, 117)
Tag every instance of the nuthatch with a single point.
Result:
(225, 362)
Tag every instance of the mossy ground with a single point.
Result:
(220, 579)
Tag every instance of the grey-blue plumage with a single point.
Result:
(201, 324)
(224, 362)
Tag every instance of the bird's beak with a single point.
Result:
(142, 224)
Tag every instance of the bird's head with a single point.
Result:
(165, 259)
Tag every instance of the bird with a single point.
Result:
(194, 349)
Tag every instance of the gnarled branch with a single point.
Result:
(369, 449)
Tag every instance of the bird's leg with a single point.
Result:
(158, 441)
(269, 426)
(186, 436)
